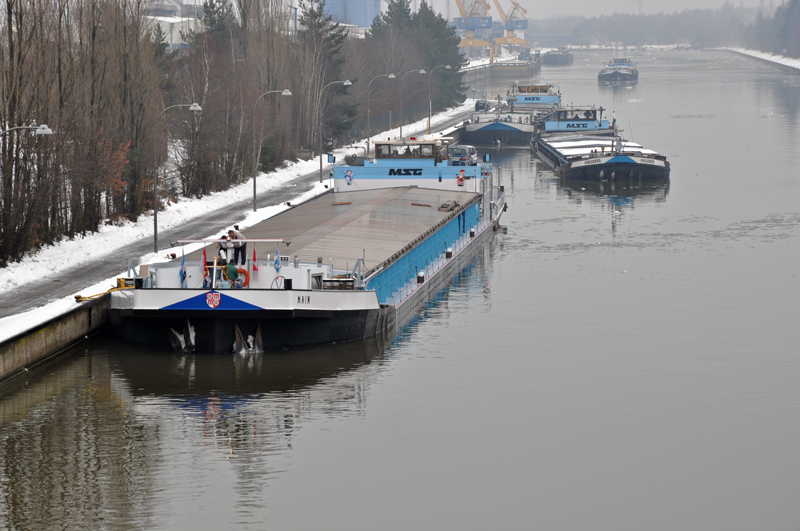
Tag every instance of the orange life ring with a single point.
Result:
(246, 277)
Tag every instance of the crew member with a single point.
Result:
(232, 273)
(222, 250)
(239, 248)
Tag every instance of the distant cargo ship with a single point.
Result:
(619, 70)
(560, 57)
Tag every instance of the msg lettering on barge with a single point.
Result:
(405, 171)
(304, 299)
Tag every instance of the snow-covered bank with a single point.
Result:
(789, 62)
(484, 61)
(113, 238)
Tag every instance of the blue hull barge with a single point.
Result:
(352, 263)
(499, 128)
(599, 158)
(512, 122)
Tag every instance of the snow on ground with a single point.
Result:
(483, 61)
(791, 62)
(69, 253)
(620, 49)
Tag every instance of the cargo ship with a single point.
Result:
(513, 121)
(601, 158)
(502, 127)
(619, 70)
(560, 57)
(354, 262)
(586, 119)
(533, 96)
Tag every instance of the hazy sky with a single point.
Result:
(590, 8)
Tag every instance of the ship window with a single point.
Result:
(384, 150)
(316, 281)
(427, 151)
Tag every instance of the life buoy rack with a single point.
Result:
(246, 277)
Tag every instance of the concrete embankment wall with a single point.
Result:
(786, 63)
(48, 340)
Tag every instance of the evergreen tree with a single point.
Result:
(323, 39)
(218, 16)
(438, 42)
(787, 18)
(397, 16)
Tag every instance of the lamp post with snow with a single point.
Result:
(369, 134)
(255, 167)
(346, 83)
(430, 101)
(192, 107)
(38, 129)
(401, 97)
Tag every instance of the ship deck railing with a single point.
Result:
(401, 293)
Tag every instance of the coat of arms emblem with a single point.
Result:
(213, 299)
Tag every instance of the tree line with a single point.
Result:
(765, 28)
(100, 74)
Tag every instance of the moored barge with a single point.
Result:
(601, 158)
(352, 263)
(560, 57)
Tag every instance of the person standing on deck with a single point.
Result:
(239, 248)
(223, 249)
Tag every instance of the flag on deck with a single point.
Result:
(255, 262)
(183, 269)
(278, 260)
(203, 263)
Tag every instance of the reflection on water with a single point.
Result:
(93, 442)
(616, 198)
(787, 95)
(618, 92)
(71, 452)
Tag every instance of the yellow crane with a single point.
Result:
(473, 18)
(514, 21)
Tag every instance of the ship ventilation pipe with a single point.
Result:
(420, 277)
(471, 233)
(448, 253)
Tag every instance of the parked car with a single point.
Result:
(463, 155)
(481, 105)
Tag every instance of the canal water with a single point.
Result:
(620, 359)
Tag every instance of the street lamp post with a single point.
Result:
(255, 168)
(430, 101)
(192, 107)
(369, 134)
(346, 83)
(401, 98)
(38, 129)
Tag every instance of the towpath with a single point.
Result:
(72, 281)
